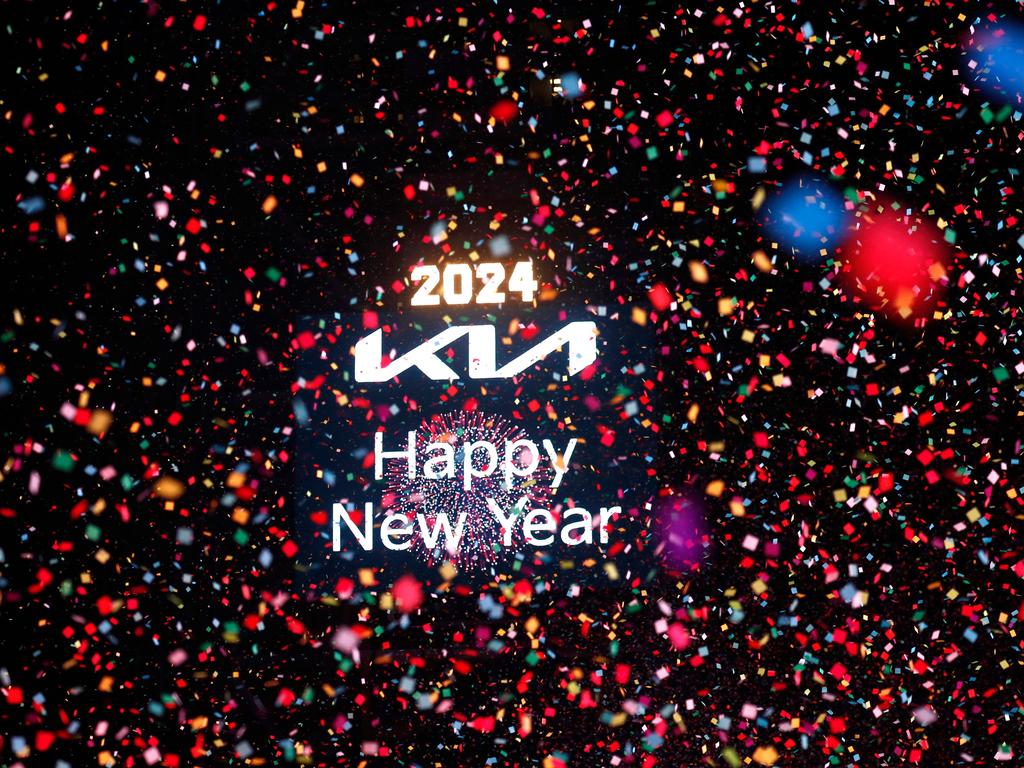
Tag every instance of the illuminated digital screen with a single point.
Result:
(447, 433)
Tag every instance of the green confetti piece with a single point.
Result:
(63, 461)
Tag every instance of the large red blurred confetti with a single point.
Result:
(900, 263)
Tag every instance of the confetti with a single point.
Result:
(802, 222)
(806, 215)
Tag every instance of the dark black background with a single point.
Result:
(88, 319)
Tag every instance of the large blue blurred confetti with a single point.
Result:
(808, 216)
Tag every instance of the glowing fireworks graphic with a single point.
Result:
(431, 495)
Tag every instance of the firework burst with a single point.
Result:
(481, 543)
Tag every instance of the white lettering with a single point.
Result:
(606, 517)
(508, 522)
(379, 454)
(370, 351)
(559, 463)
(512, 468)
(580, 337)
(364, 537)
(469, 471)
(585, 526)
(533, 524)
(430, 535)
(388, 531)
(446, 462)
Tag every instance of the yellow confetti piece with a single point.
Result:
(758, 198)
(761, 260)
(698, 272)
(731, 757)
(99, 421)
(168, 487)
